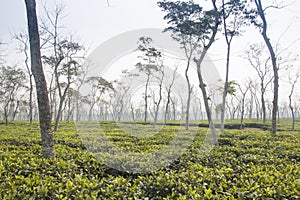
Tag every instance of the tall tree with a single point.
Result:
(187, 40)
(203, 25)
(40, 81)
(23, 40)
(148, 66)
(257, 15)
(65, 68)
(64, 60)
(232, 22)
(255, 57)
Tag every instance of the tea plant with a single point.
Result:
(247, 164)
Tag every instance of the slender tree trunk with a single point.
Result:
(225, 90)
(251, 107)
(274, 64)
(77, 105)
(205, 99)
(167, 105)
(40, 81)
(201, 81)
(160, 79)
(146, 99)
(6, 116)
(16, 111)
(188, 104)
(30, 84)
(59, 111)
(263, 106)
(242, 113)
(225, 87)
(132, 112)
(30, 100)
(158, 105)
(292, 109)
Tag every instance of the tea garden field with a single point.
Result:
(247, 164)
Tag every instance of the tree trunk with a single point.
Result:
(60, 108)
(40, 81)
(274, 64)
(30, 100)
(188, 104)
(30, 84)
(201, 82)
(16, 111)
(146, 100)
(167, 105)
(225, 87)
(263, 106)
(292, 109)
(6, 117)
(205, 99)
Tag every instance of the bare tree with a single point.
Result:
(292, 81)
(40, 81)
(189, 43)
(64, 59)
(160, 77)
(23, 48)
(233, 107)
(99, 86)
(122, 94)
(168, 88)
(255, 57)
(254, 106)
(243, 92)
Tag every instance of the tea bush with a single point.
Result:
(245, 165)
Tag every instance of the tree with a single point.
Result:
(65, 67)
(187, 40)
(23, 40)
(168, 88)
(203, 26)
(148, 67)
(292, 81)
(232, 23)
(243, 92)
(255, 87)
(121, 95)
(262, 68)
(159, 75)
(11, 81)
(257, 16)
(40, 81)
(64, 60)
(98, 87)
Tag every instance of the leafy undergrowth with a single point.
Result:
(246, 165)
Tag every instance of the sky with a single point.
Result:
(94, 22)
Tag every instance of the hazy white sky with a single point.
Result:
(94, 22)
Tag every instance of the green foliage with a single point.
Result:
(188, 18)
(246, 165)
